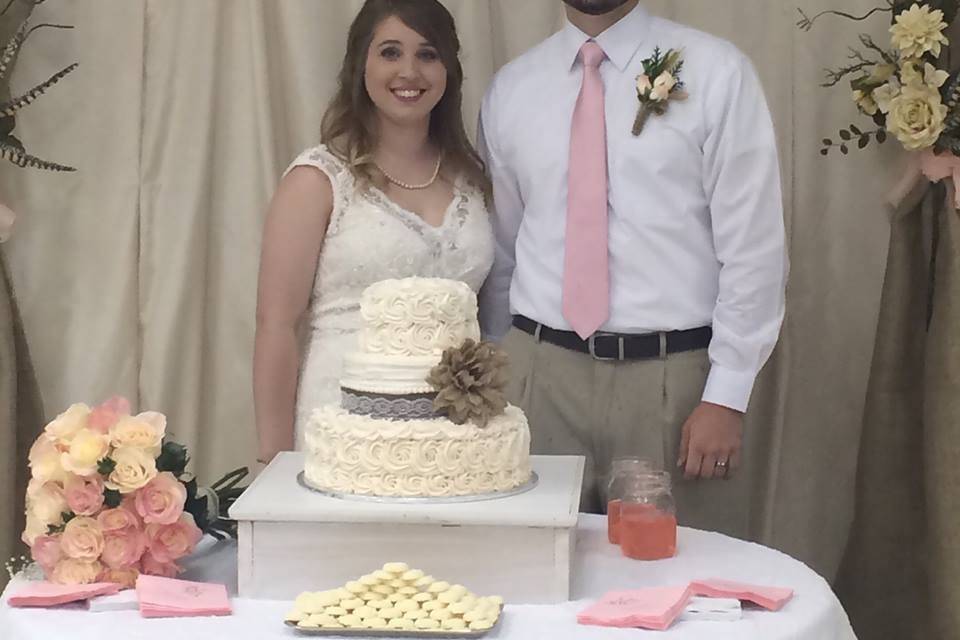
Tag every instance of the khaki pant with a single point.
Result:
(598, 409)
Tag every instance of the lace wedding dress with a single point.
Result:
(371, 238)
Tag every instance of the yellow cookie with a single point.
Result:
(448, 597)
(396, 567)
(355, 586)
(369, 580)
(422, 596)
(481, 624)
(296, 615)
(335, 611)
(351, 604)
(427, 623)
(459, 589)
(350, 621)
(438, 587)
(475, 614)
(454, 624)
(407, 605)
(402, 624)
(382, 575)
(383, 589)
(396, 583)
(423, 581)
(379, 604)
(497, 600)
(462, 607)
(365, 612)
(408, 591)
(367, 596)
(390, 612)
(413, 574)
(433, 605)
(308, 624)
(396, 597)
(321, 619)
(375, 623)
(416, 614)
(441, 614)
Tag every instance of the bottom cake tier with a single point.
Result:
(348, 453)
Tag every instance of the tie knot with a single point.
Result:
(592, 54)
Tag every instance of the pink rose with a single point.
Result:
(153, 567)
(162, 500)
(107, 414)
(73, 571)
(126, 577)
(123, 548)
(122, 517)
(169, 542)
(46, 551)
(84, 494)
(82, 539)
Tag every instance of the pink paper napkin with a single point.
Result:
(48, 594)
(772, 598)
(171, 598)
(653, 608)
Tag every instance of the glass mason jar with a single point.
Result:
(622, 471)
(648, 518)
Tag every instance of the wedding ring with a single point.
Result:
(722, 464)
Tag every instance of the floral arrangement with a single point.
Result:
(470, 380)
(109, 498)
(658, 85)
(905, 88)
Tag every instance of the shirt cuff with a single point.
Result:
(729, 388)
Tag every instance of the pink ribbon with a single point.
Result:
(934, 168)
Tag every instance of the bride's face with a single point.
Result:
(404, 75)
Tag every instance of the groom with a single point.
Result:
(639, 278)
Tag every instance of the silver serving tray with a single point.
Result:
(527, 486)
(392, 633)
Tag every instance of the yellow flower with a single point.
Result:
(931, 76)
(865, 101)
(881, 73)
(143, 431)
(919, 30)
(916, 116)
(885, 94)
(135, 468)
(86, 449)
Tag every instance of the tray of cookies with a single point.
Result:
(395, 602)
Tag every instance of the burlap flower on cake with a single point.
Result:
(470, 380)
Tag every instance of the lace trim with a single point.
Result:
(413, 407)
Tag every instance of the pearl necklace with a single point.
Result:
(412, 187)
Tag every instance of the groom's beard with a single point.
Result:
(595, 7)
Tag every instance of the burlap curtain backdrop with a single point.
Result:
(137, 275)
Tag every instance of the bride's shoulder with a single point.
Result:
(322, 157)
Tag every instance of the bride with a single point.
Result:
(393, 190)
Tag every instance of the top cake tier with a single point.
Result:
(417, 317)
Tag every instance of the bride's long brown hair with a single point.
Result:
(348, 124)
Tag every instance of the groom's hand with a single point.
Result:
(710, 435)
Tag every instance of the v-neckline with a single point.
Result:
(416, 217)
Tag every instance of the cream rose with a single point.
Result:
(643, 84)
(134, 469)
(162, 500)
(86, 449)
(170, 542)
(82, 539)
(47, 503)
(117, 519)
(884, 95)
(73, 571)
(123, 548)
(34, 529)
(919, 30)
(866, 102)
(69, 423)
(45, 461)
(662, 86)
(917, 116)
(142, 431)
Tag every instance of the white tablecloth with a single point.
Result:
(814, 613)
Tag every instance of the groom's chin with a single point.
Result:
(595, 7)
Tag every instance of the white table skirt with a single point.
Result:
(814, 613)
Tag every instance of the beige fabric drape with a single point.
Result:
(137, 275)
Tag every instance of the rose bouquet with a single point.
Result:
(109, 498)
(905, 88)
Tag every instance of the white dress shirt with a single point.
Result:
(695, 210)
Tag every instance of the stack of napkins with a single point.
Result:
(48, 594)
(169, 598)
(654, 608)
(772, 598)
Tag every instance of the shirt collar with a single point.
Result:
(620, 42)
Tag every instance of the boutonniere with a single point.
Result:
(658, 85)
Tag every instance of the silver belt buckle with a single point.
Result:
(592, 348)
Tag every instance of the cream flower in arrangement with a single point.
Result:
(658, 85)
(917, 116)
(919, 30)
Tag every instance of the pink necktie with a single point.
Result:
(586, 279)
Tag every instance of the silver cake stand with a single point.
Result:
(526, 486)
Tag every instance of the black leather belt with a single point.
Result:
(617, 346)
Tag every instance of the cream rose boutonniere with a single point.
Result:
(658, 85)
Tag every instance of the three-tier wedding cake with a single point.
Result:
(421, 411)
